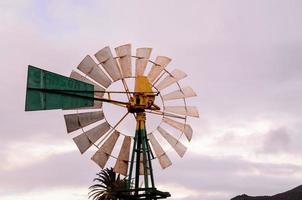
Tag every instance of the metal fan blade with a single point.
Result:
(109, 144)
(143, 55)
(105, 57)
(177, 145)
(184, 92)
(91, 69)
(80, 120)
(102, 155)
(77, 76)
(97, 132)
(183, 110)
(86, 139)
(175, 76)
(124, 58)
(163, 159)
(188, 131)
(121, 165)
(161, 63)
(83, 143)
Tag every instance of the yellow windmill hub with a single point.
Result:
(143, 97)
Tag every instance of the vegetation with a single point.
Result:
(108, 185)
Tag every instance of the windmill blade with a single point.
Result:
(91, 69)
(177, 145)
(185, 128)
(163, 159)
(124, 54)
(121, 165)
(143, 55)
(83, 143)
(80, 120)
(86, 139)
(175, 76)
(161, 63)
(97, 132)
(184, 92)
(105, 57)
(77, 76)
(183, 110)
(102, 155)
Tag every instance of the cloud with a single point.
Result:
(76, 193)
(56, 171)
(276, 141)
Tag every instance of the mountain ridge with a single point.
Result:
(293, 194)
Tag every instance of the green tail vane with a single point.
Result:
(47, 90)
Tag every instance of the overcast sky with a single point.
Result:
(243, 59)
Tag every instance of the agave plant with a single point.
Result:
(108, 185)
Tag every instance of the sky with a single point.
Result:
(243, 59)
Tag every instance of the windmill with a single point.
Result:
(83, 93)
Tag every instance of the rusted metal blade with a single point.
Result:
(161, 63)
(80, 120)
(184, 92)
(121, 165)
(143, 55)
(105, 57)
(91, 69)
(183, 110)
(175, 76)
(163, 159)
(185, 128)
(124, 58)
(175, 144)
(102, 155)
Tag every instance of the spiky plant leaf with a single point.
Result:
(108, 183)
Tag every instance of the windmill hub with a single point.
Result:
(143, 97)
(140, 102)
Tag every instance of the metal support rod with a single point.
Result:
(138, 151)
(132, 161)
(149, 160)
(145, 164)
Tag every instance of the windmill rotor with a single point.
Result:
(89, 88)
